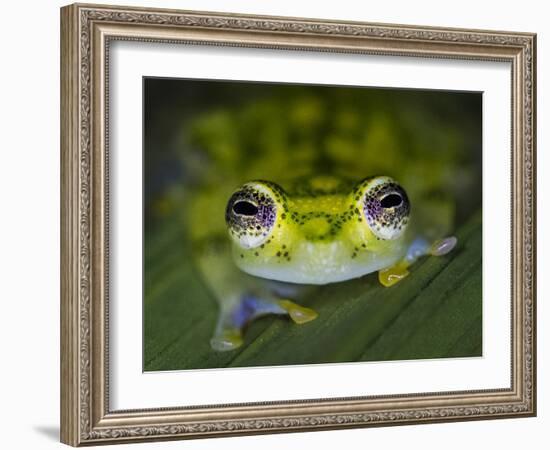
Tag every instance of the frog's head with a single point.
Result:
(325, 231)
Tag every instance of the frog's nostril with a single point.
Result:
(391, 200)
(245, 208)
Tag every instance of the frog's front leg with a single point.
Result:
(232, 320)
(420, 247)
(241, 297)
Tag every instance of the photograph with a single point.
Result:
(291, 224)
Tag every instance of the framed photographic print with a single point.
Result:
(276, 224)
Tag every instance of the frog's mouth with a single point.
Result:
(316, 263)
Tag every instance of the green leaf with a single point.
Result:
(436, 312)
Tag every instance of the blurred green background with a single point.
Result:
(202, 139)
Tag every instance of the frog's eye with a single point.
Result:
(251, 213)
(386, 208)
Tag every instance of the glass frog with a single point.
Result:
(319, 216)
(315, 230)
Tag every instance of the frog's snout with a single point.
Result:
(315, 228)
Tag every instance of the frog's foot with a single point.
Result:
(420, 247)
(442, 246)
(391, 275)
(226, 339)
(229, 332)
(299, 314)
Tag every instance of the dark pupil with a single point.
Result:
(391, 200)
(245, 208)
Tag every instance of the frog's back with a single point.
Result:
(315, 186)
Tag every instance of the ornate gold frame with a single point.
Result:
(86, 31)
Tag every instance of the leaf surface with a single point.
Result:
(436, 312)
